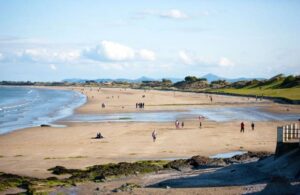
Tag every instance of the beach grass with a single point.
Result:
(125, 118)
(78, 157)
(53, 158)
(70, 157)
(288, 93)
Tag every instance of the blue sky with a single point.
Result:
(53, 40)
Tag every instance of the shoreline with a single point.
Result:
(31, 111)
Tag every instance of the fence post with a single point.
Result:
(280, 134)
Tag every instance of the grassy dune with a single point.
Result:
(288, 93)
(270, 89)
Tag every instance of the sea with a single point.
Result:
(22, 107)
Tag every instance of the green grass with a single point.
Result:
(71, 157)
(78, 157)
(159, 163)
(271, 89)
(31, 185)
(53, 158)
(288, 93)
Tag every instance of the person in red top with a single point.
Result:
(242, 127)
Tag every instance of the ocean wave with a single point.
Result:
(13, 106)
(20, 108)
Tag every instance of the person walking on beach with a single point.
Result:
(154, 135)
(177, 124)
(200, 119)
(242, 127)
(182, 124)
(252, 126)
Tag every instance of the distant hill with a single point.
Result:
(212, 77)
(74, 80)
(138, 80)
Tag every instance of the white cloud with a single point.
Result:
(174, 14)
(189, 58)
(109, 51)
(225, 62)
(112, 51)
(147, 55)
(192, 59)
(106, 51)
(115, 51)
(185, 58)
(53, 67)
(46, 55)
(67, 55)
(171, 14)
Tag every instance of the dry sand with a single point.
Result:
(32, 151)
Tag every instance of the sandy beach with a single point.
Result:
(149, 97)
(32, 151)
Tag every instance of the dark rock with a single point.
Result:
(260, 155)
(178, 164)
(52, 178)
(197, 161)
(126, 187)
(99, 178)
(45, 125)
(217, 162)
(201, 161)
(247, 156)
(60, 170)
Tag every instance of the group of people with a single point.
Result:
(177, 124)
(140, 105)
(243, 127)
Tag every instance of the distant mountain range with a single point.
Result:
(138, 80)
(213, 77)
(209, 77)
